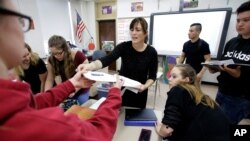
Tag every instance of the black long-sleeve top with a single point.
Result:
(31, 75)
(139, 66)
(193, 122)
(237, 49)
(135, 65)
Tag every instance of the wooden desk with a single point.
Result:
(132, 133)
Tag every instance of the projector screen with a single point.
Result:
(169, 31)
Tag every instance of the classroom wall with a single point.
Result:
(86, 9)
(34, 37)
(54, 20)
(54, 17)
(154, 6)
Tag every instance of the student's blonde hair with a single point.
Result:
(34, 59)
(193, 86)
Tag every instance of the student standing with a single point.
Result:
(27, 117)
(138, 62)
(190, 115)
(195, 51)
(32, 70)
(234, 93)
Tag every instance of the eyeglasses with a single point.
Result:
(24, 20)
(57, 53)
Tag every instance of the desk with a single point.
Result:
(132, 133)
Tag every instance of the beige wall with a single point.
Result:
(100, 15)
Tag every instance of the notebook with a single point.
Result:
(139, 122)
(140, 115)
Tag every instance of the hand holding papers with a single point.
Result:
(100, 76)
(216, 64)
(104, 77)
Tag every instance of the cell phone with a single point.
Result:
(145, 135)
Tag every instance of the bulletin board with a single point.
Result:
(123, 29)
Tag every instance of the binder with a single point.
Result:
(215, 64)
(140, 117)
(139, 122)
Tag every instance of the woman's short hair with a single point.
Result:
(143, 23)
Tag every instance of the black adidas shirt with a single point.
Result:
(237, 49)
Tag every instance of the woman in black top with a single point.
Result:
(32, 70)
(138, 62)
(190, 115)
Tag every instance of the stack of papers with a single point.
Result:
(96, 105)
(216, 64)
(105, 77)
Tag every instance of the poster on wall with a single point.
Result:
(190, 3)
(136, 6)
(106, 10)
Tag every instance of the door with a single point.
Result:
(107, 32)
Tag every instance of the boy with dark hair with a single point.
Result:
(234, 93)
(195, 51)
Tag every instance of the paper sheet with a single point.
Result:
(104, 77)
(97, 103)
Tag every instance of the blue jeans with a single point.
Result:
(236, 108)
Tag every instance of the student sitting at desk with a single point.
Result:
(190, 115)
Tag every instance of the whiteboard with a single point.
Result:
(169, 31)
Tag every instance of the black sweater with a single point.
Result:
(193, 122)
(135, 65)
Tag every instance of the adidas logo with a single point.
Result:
(238, 55)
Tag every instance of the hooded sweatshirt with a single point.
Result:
(27, 117)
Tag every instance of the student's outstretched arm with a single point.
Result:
(55, 95)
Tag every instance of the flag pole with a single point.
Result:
(89, 33)
(91, 37)
(87, 29)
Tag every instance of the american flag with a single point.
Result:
(80, 27)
